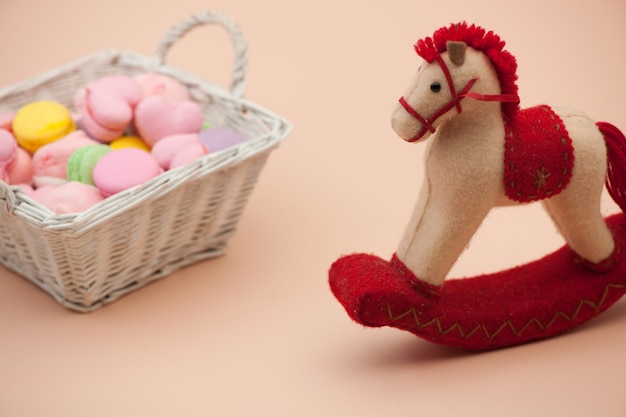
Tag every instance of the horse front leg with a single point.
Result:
(463, 182)
(440, 228)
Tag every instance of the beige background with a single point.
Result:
(257, 332)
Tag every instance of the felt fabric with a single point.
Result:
(576, 210)
(534, 301)
(477, 38)
(462, 183)
(538, 155)
(616, 174)
(490, 153)
(466, 170)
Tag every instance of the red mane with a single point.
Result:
(487, 42)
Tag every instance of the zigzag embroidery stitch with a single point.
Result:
(437, 322)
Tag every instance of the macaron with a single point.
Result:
(120, 85)
(219, 138)
(71, 197)
(123, 169)
(82, 162)
(105, 115)
(40, 122)
(50, 161)
(129, 142)
(106, 106)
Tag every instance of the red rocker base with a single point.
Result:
(530, 302)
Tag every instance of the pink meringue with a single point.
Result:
(8, 152)
(20, 171)
(153, 84)
(188, 154)
(71, 197)
(165, 149)
(6, 120)
(156, 118)
(50, 161)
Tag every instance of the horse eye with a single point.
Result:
(435, 87)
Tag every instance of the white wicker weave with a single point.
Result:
(185, 215)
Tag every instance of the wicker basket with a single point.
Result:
(185, 215)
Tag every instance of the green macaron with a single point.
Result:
(83, 160)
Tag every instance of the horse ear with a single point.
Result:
(456, 52)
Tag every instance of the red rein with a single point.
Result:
(455, 101)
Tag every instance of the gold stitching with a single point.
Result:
(541, 177)
(490, 336)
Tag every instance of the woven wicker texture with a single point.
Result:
(88, 259)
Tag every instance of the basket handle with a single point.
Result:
(204, 18)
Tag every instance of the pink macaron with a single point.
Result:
(123, 169)
(124, 86)
(106, 106)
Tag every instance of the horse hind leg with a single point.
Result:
(576, 211)
(585, 233)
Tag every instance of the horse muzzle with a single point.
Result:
(408, 123)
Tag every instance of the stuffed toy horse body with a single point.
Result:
(483, 152)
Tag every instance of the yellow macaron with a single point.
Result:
(40, 122)
(129, 142)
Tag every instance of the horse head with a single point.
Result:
(436, 93)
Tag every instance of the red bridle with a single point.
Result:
(455, 101)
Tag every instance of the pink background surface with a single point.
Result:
(257, 332)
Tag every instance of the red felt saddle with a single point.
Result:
(538, 155)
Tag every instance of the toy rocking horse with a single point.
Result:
(485, 152)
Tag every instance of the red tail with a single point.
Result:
(616, 173)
